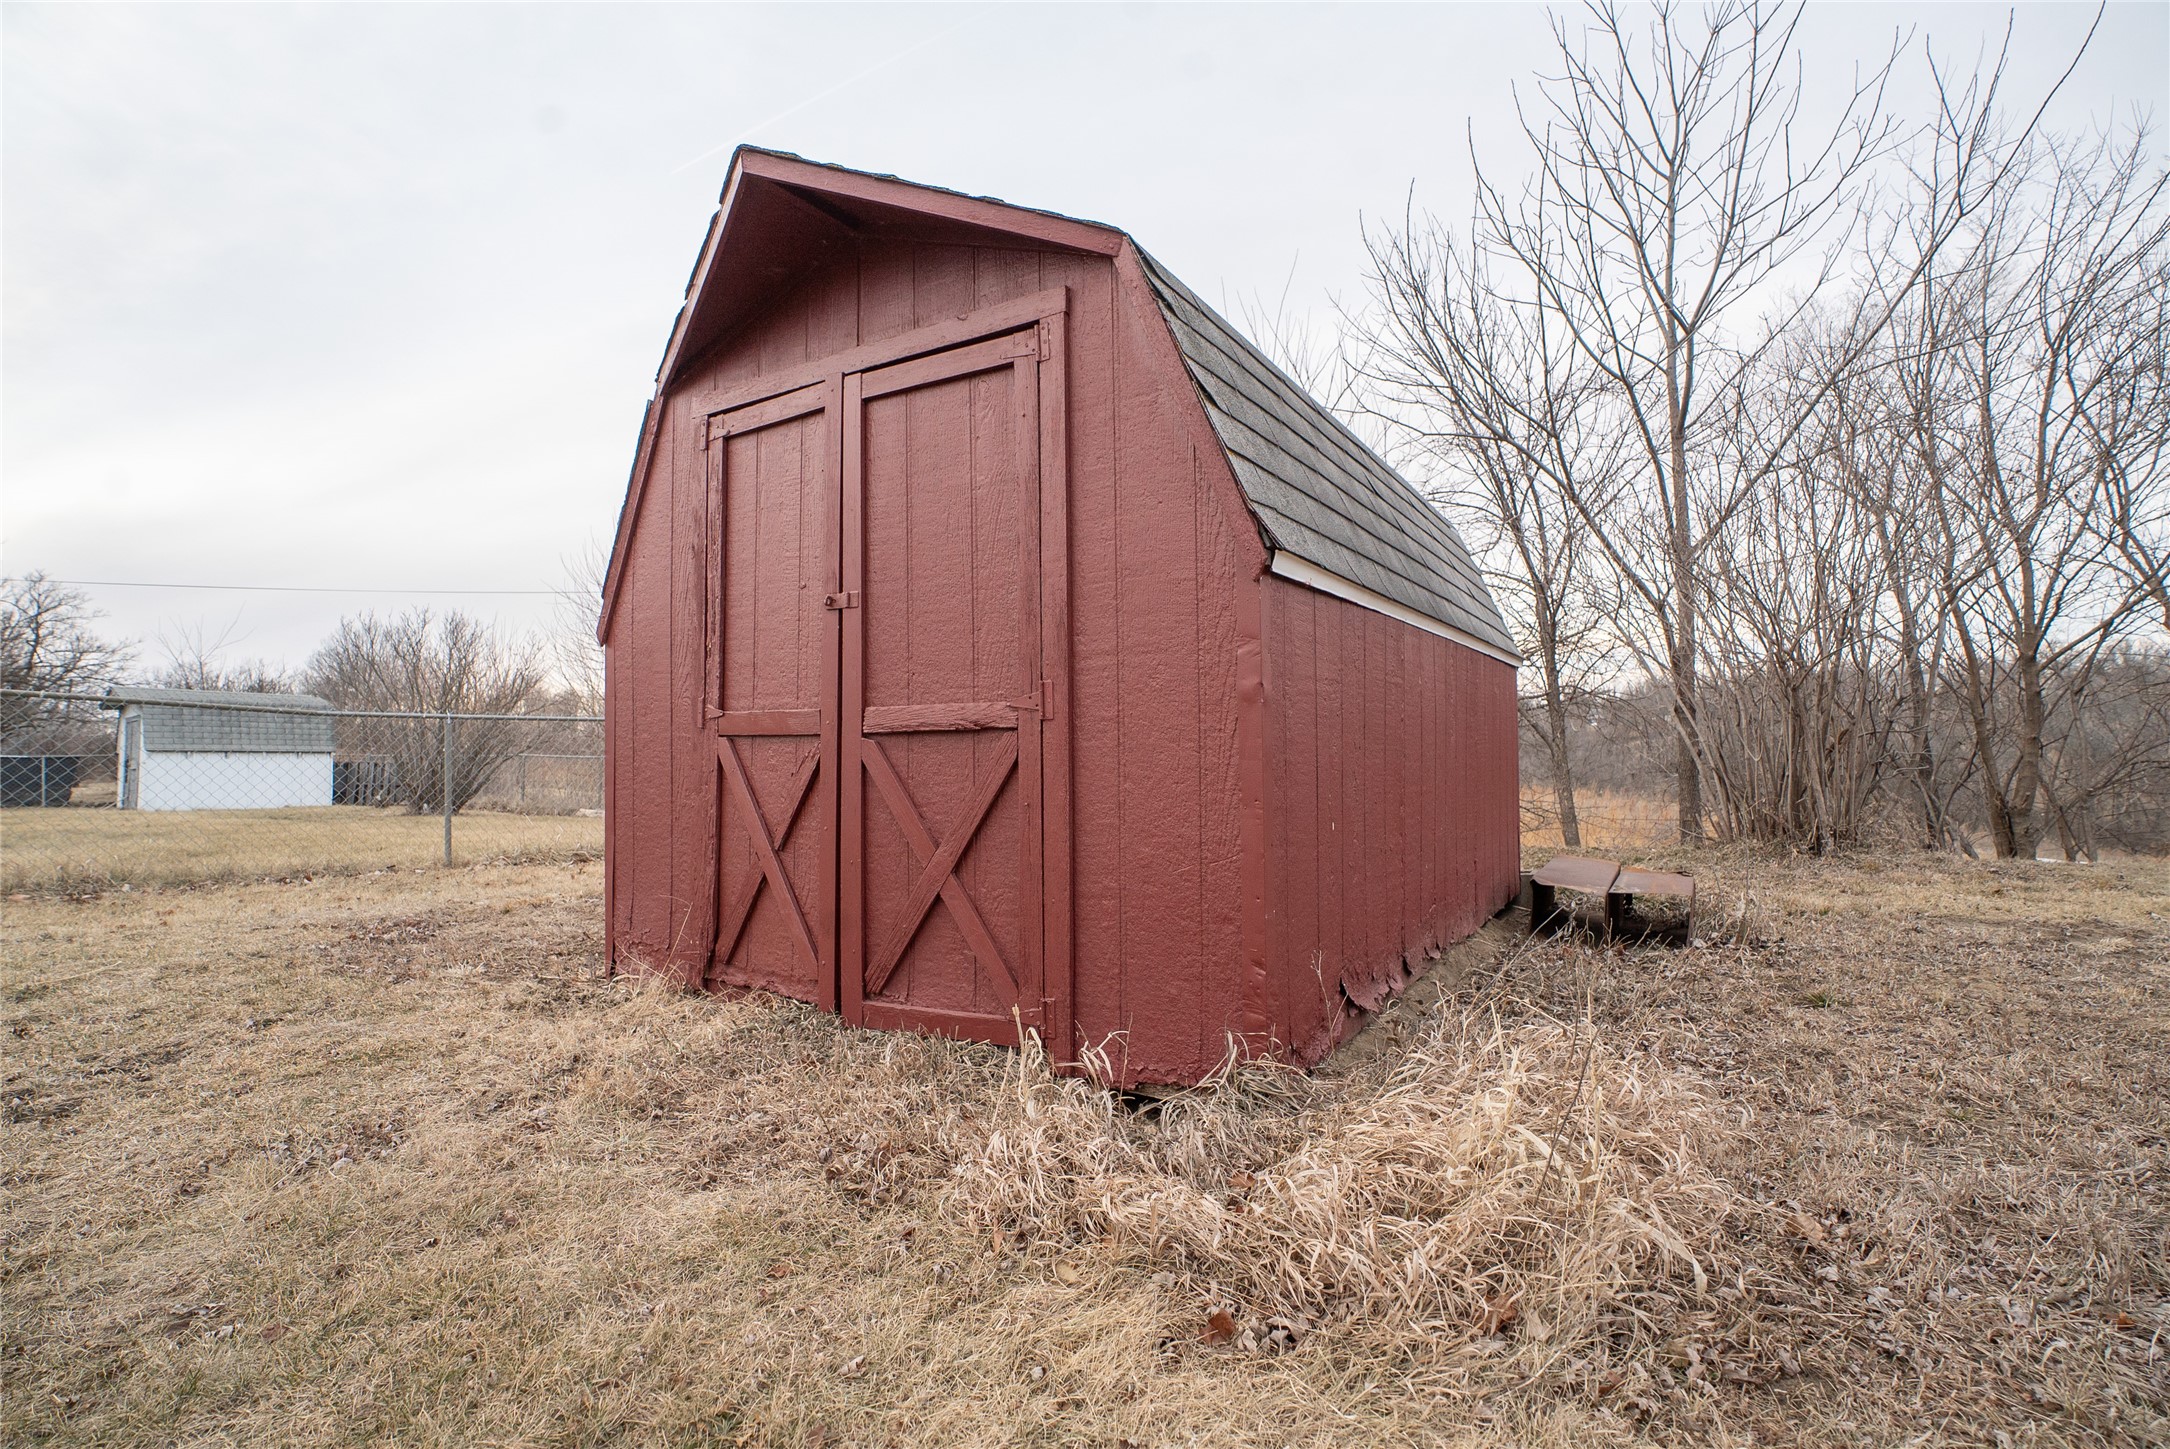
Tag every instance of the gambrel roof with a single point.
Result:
(1312, 484)
(1314, 488)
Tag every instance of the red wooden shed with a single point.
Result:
(994, 635)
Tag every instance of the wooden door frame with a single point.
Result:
(839, 380)
(1057, 967)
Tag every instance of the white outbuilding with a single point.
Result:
(220, 749)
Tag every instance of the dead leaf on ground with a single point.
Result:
(1220, 1326)
(1499, 1311)
(1533, 1327)
(1068, 1275)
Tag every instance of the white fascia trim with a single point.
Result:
(1326, 581)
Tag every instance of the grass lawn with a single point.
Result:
(387, 1158)
(76, 849)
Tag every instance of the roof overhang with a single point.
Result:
(781, 216)
(261, 700)
(779, 220)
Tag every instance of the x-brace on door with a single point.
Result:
(895, 795)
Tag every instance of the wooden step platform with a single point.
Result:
(1588, 876)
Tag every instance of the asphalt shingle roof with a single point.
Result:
(179, 721)
(1319, 492)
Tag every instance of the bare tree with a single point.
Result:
(1866, 453)
(419, 663)
(1502, 404)
(1674, 187)
(2107, 754)
(2038, 421)
(2138, 495)
(194, 659)
(575, 654)
(1798, 706)
(47, 642)
(1675, 331)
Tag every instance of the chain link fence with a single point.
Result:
(149, 787)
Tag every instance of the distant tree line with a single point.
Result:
(417, 663)
(1832, 458)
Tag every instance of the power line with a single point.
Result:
(297, 588)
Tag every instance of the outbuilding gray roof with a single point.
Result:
(228, 721)
(1318, 491)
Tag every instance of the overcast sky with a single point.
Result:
(371, 296)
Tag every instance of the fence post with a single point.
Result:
(446, 787)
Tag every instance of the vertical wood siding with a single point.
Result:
(773, 542)
(943, 595)
(1160, 548)
(1390, 761)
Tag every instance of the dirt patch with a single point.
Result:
(530, 939)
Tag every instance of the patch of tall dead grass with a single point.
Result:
(1527, 1189)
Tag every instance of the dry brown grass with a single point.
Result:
(91, 849)
(1610, 821)
(387, 1159)
(1490, 1208)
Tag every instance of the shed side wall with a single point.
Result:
(239, 780)
(1391, 782)
(1160, 550)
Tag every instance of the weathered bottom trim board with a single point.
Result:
(962, 1025)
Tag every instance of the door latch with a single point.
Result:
(849, 599)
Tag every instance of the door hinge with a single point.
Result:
(848, 599)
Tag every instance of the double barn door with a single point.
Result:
(885, 672)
